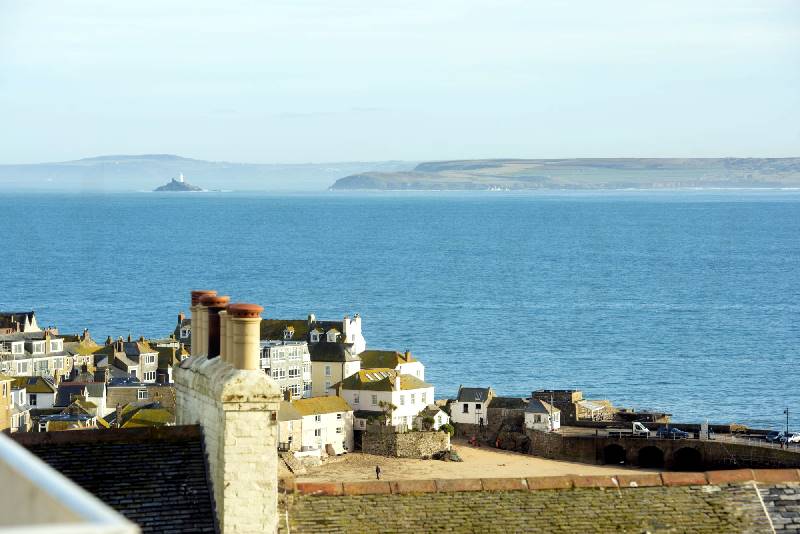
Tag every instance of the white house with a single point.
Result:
(434, 412)
(386, 393)
(542, 416)
(40, 392)
(326, 424)
(470, 407)
(402, 362)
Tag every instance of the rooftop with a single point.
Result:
(371, 359)
(320, 405)
(159, 477)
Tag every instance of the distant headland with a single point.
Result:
(179, 185)
(611, 173)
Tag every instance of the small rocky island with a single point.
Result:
(178, 185)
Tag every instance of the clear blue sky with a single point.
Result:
(313, 80)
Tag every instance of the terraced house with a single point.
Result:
(289, 364)
(402, 362)
(133, 358)
(34, 354)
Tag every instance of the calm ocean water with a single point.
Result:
(682, 301)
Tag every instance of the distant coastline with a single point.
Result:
(584, 174)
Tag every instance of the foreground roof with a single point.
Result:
(742, 501)
(156, 477)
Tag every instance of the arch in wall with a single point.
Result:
(687, 459)
(651, 456)
(614, 454)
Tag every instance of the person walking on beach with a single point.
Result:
(378, 472)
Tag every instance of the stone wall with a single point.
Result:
(722, 501)
(384, 441)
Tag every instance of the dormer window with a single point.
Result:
(17, 348)
(56, 345)
(38, 347)
(314, 337)
(333, 334)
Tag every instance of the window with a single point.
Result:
(38, 347)
(327, 370)
(338, 416)
(424, 397)
(133, 372)
(374, 400)
(465, 409)
(413, 399)
(295, 389)
(338, 430)
(141, 394)
(42, 426)
(150, 358)
(317, 432)
(317, 418)
(55, 346)
(32, 399)
(314, 337)
(402, 400)
(477, 407)
(274, 373)
(356, 399)
(17, 348)
(294, 372)
(58, 363)
(149, 376)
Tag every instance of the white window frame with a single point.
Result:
(141, 394)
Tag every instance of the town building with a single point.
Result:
(92, 392)
(431, 418)
(133, 358)
(542, 416)
(470, 407)
(5, 401)
(326, 425)
(40, 391)
(20, 410)
(34, 353)
(289, 364)
(402, 362)
(331, 362)
(18, 322)
(385, 395)
(290, 428)
(124, 391)
(313, 331)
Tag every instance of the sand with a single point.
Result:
(480, 462)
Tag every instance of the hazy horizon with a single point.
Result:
(407, 81)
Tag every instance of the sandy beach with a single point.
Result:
(483, 462)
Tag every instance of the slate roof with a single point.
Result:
(540, 406)
(65, 392)
(159, 477)
(320, 405)
(371, 359)
(331, 352)
(473, 394)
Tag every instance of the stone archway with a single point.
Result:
(614, 454)
(687, 459)
(651, 456)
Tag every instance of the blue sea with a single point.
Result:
(683, 301)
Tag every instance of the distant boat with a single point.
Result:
(179, 184)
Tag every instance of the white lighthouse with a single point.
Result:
(180, 178)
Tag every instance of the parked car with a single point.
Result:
(672, 433)
(773, 436)
(783, 437)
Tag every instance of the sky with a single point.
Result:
(292, 81)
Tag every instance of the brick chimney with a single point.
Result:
(214, 304)
(236, 405)
(199, 335)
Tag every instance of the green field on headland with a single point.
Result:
(612, 173)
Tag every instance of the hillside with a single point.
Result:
(146, 172)
(618, 173)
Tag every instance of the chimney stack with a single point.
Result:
(214, 304)
(244, 321)
(236, 404)
(199, 321)
(397, 382)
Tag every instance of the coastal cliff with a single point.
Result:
(615, 173)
